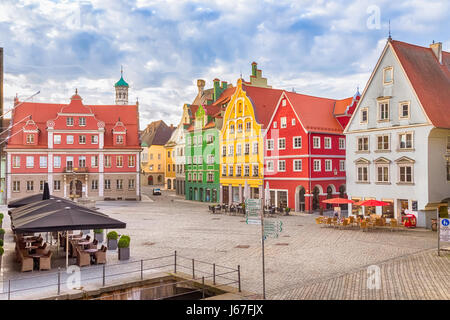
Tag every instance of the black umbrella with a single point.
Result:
(27, 200)
(46, 194)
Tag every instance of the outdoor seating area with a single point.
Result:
(84, 249)
(361, 223)
(32, 252)
(233, 209)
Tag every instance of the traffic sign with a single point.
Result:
(272, 228)
(252, 211)
(444, 230)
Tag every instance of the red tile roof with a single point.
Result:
(341, 105)
(316, 114)
(430, 79)
(42, 112)
(264, 102)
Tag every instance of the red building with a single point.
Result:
(89, 151)
(305, 150)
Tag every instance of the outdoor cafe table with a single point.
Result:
(83, 243)
(91, 252)
(35, 257)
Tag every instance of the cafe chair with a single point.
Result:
(100, 256)
(43, 250)
(83, 258)
(26, 262)
(45, 262)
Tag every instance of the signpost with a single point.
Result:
(443, 227)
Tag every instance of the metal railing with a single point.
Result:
(170, 263)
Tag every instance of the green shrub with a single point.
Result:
(1, 216)
(98, 230)
(112, 235)
(1, 251)
(1, 243)
(2, 231)
(124, 242)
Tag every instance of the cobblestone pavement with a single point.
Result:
(306, 262)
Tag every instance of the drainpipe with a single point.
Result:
(309, 172)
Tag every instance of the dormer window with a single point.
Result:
(364, 115)
(82, 121)
(69, 121)
(404, 110)
(30, 138)
(388, 75)
(119, 139)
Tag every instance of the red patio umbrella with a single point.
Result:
(371, 203)
(338, 201)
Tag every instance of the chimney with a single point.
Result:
(224, 85)
(216, 88)
(200, 86)
(437, 50)
(254, 68)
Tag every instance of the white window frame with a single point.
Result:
(57, 139)
(294, 144)
(279, 144)
(341, 143)
(71, 138)
(283, 167)
(328, 165)
(16, 161)
(30, 162)
(363, 149)
(391, 69)
(293, 122)
(362, 166)
(400, 110)
(283, 122)
(69, 121)
(342, 165)
(325, 143)
(383, 142)
(56, 161)
(382, 166)
(381, 112)
(319, 167)
(270, 143)
(42, 161)
(316, 145)
(82, 139)
(270, 166)
(94, 161)
(361, 113)
(400, 134)
(294, 165)
(404, 165)
(82, 121)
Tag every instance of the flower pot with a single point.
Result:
(112, 244)
(124, 253)
(98, 237)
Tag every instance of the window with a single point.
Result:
(328, 164)
(364, 115)
(316, 142)
(188, 140)
(168, 154)
(238, 170)
(69, 121)
(275, 124)
(210, 159)
(282, 143)
(194, 160)
(281, 165)
(210, 177)
(255, 168)
(270, 144)
(30, 185)
(405, 173)
(383, 111)
(30, 138)
(316, 165)
(341, 143)
(189, 160)
(94, 185)
(363, 173)
(224, 170)
(293, 121)
(327, 143)
(108, 161)
(388, 75)
(230, 150)
(131, 161)
(189, 177)
(297, 142)
(94, 161)
(168, 168)
(41, 185)
(16, 186)
(283, 122)
(107, 184)
(382, 173)
(82, 139)
(82, 162)
(283, 103)
(224, 151)
(57, 139)
(246, 170)
(82, 121)
(230, 170)
(255, 147)
(209, 138)
(297, 165)
(383, 142)
(57, 185)
(341, 165)
(404, 110)
(200, 140)
(239, 127)
(16, 161)
(119, 161)
(248, 126)
(270, 166)
(200, 159)
(195, 140)
(238, 149)
(231, 128)
(131, 184)
(363, 144)
(57, 161)
(119, 184)
(69, 163)
(30, 162)
(405, 140)
(69, 139)
(43, 162)
(247, 148)
(119, 139)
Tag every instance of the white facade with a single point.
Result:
(394, 153)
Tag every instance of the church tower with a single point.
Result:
(121, 90)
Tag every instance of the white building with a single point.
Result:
(398, 139)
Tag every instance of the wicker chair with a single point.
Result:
(100, 256)
(88, 237)
(43, 250)
(26, 261)
(363, 225)
(45, 262)
(94, 244)
(83, 258)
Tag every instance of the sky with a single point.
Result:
(322, 48)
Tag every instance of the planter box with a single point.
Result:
(112, 244)
(124, 253)
(98, 237)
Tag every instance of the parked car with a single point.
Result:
(156, 192)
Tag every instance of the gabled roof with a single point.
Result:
(264, 102)
(342, 105)
(157, 133)
(429, 78)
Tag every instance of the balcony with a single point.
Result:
(75, 170)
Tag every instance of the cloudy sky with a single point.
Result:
(324, 48)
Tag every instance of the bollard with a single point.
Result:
(59, 281)
(142, 269)
(104, 275)
(9, 289)
(193, 269)
(214, 274)
(203, 287)
(175, 262)
(239, 277)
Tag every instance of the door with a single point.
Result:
(225, 195)
(169, 184)
(301, 199)
(150, 180)
(201, 194)
(315, 202)
(76, 188)
(329, 196)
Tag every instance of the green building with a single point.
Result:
(202, 154)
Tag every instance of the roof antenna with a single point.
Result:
(121, 70)
(390, 37)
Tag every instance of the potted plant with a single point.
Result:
(2, 233)
(124, 247)
(287, 210)
(1, 254)
(112, 237)
(98, 235)
(1, 219)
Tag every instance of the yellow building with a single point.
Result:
(153, 156)
(242, 142)
(170, 171)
